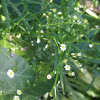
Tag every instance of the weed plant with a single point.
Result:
(49, 50)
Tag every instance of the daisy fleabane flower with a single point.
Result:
(49, 76)
(59, 13)
(16, 98)
(44, 14)
(38, 39)
(73, 73)
(54, 10)
(63, 47)
(65, 61)
(10, 73)
(90, 45)
(79, 54)
(51, 1)
(19, 92)
(67, 67)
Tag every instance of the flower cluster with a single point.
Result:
(17, 97)
(10, 74)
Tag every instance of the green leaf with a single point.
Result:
(4, 43)
(41, 84)
(21, 76)
(91, 84)
(21, 44)
(29, 97)
(7, 97)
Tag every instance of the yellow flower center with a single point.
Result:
(86, 21)
(67, 67)
(11, 73)
(48, 76)
(54, 10)
(65, 61)
(63, 47)
(19, 92)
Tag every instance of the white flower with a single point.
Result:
(41, 31)
(96, 26)
(76, 8)
(32, 41)
(52, 54)
(79, 22)
(19, 92)
(32, 44)
(63, 47)
(67, 67)
(59, 13)
(47, 17)
(65, 61)
(72, 54)
(73, 73)
(44, 14)
(55, 15)
(46, 46)
(54, 72)
(54, 10)
(16, 98)
(18, 36)
(38, 40)
(10, 73)
(49, 76)
(13, 49)
(79, 54)
(90, 45)
(11, 43)
(51, 1)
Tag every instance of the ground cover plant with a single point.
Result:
(49, 50)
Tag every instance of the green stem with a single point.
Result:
(91, 84)
(54, 24)
(30, 12)
(19, 14)
(6, 12)
(16, 23)
(55, 80)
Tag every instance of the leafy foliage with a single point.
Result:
(31, 34)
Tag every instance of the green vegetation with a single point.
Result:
(49, 50)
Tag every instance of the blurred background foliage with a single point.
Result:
(25, 22)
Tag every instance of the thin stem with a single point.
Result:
(30, 12)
